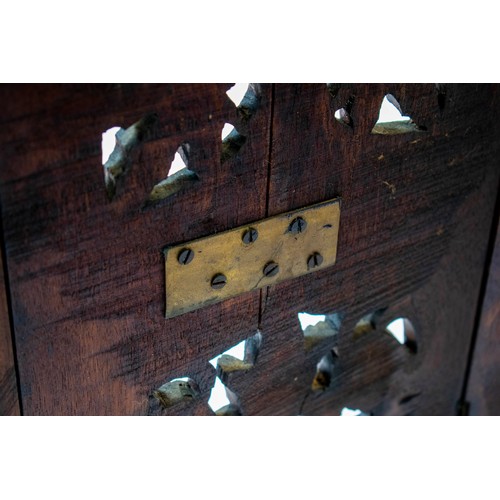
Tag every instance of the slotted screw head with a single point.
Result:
(218, 281)
(185, 256)
(271, 269)
(297, 226)
(314, 260)
(250, 235)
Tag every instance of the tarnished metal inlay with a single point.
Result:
(284, 249)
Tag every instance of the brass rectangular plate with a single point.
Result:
(188, 286)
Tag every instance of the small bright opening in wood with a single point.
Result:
(397, 329)
(218, 396)
(237, 92)
(389, 113)
(108, 143)
(306, 319)
(177, 164)
(226, 130)
(237, 351)
(348, 412)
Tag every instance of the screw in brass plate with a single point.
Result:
(185, 256)
(297, 226)
(271, 269)
(314, 260)
(250, 235)
(218, 281)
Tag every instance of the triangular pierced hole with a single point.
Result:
(240, 357)
(349, 412)
(368, 323)
(179, 177)
(232, 141)
(177, 165)
(391, 120)
(246, 98)
(223, 401)
(116, 159)
(324, 371)
(237, 92)
(108, 143)
(343, 115)
(317, 327)
(176, 391)
(403, 331)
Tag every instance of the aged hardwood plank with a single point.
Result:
(87, 273)
(416, 212)
(9, 401)
(483, 390)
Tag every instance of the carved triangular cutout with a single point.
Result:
(368, 323)
(349, 412)
(246, 98)
(179, 177)
(343, 115)
(240, 357)
(317, 327)
(324, 371)
(403, 331)
(223, 401)
(117, 163)
(232, 141)
(391, 120)
(237, 92)
(176, 391)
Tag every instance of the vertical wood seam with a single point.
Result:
(3, 250)
(480, 300)
(268, 188)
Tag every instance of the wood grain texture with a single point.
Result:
(416, 212)
(9, 401)
(484, 383)
(87, 276)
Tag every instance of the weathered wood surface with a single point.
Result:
(87, 273)
(483, 391)
(9, 401)
(87, 276)
(416, 213)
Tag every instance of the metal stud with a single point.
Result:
(218, 281)
(185, 256)
(250, 235)
(314, 260)
(297, 226)
(271, 269)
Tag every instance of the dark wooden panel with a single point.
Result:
(88, 274)
(483, 391)
(9, 402)
(416, 213)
